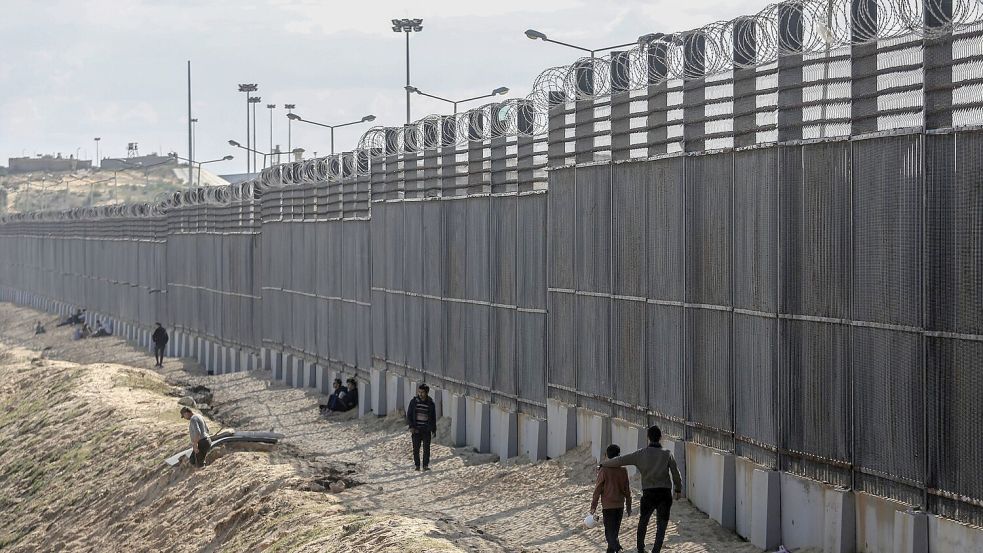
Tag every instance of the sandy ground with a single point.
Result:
(103, 398)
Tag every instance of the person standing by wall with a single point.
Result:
(421, 416)
(160, 339)
(660, 485)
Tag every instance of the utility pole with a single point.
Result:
(191, 148)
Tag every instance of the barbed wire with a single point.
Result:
(794, 27)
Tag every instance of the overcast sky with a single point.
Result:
(72, 70)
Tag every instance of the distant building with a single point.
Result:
(136, 162)
(47, 163)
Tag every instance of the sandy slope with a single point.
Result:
(85, 442)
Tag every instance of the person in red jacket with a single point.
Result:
(615, 496)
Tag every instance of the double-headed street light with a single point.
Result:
(536, 35)
(264, 154)
(271, 107)
(407, 26)
(290, 109)
(248, 89)
(366, 119)
(200, 163)
(498, 91)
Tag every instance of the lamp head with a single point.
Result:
(501, 90)
(271, 106)
(368, 118)
(412, 89)
(289, 106)
(534, 34)
(293, 116)
(234, 143)
(227, 158)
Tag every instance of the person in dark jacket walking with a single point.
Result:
(660, 485)
(421, 416)
(160, 339)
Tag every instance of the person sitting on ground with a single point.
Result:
(101, 330)
(160, 339)
(77, 335)
(73, 319)
(660, 485)
(421, 416)
(38, 328)
(615, 496)
(351, 398)
(198, 432)
(337, 400)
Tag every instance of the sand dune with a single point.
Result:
(85, 429)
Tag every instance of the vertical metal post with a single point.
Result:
(248, 97)
(790, 72)
(191, 150)
(745, 46)
(408, 76)
(863, 66)
(658, 72)
(694, 92)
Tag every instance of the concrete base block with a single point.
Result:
(561, 422)
(364, 393)
(288, 370)
(600, 436)
(629, 438)
(479, 425)
(532, 437)
(438, 401)
(264, 359)
(244, 358)
(817, 515)
(395, 393)
(911, 532)
(948, 535)
(504, 433)
(322, 380)
(459, 420)
(766, 509)
(840, 525)
(377, 381)
(310, 375)
(711, 483)
(298, 374)
(276, 366)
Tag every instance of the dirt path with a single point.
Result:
(477, 504)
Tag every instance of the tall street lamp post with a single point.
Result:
(366, 119)
(271, 107)
(254, 100)
(407, 26)
(248, 89)
(290, 109)
(498, 91)
(97, 139)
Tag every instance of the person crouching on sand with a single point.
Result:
(660, 477)
(198, 431)
(421, 416)
(615, 496)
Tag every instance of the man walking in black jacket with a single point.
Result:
(421, 416)
(160, 342)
